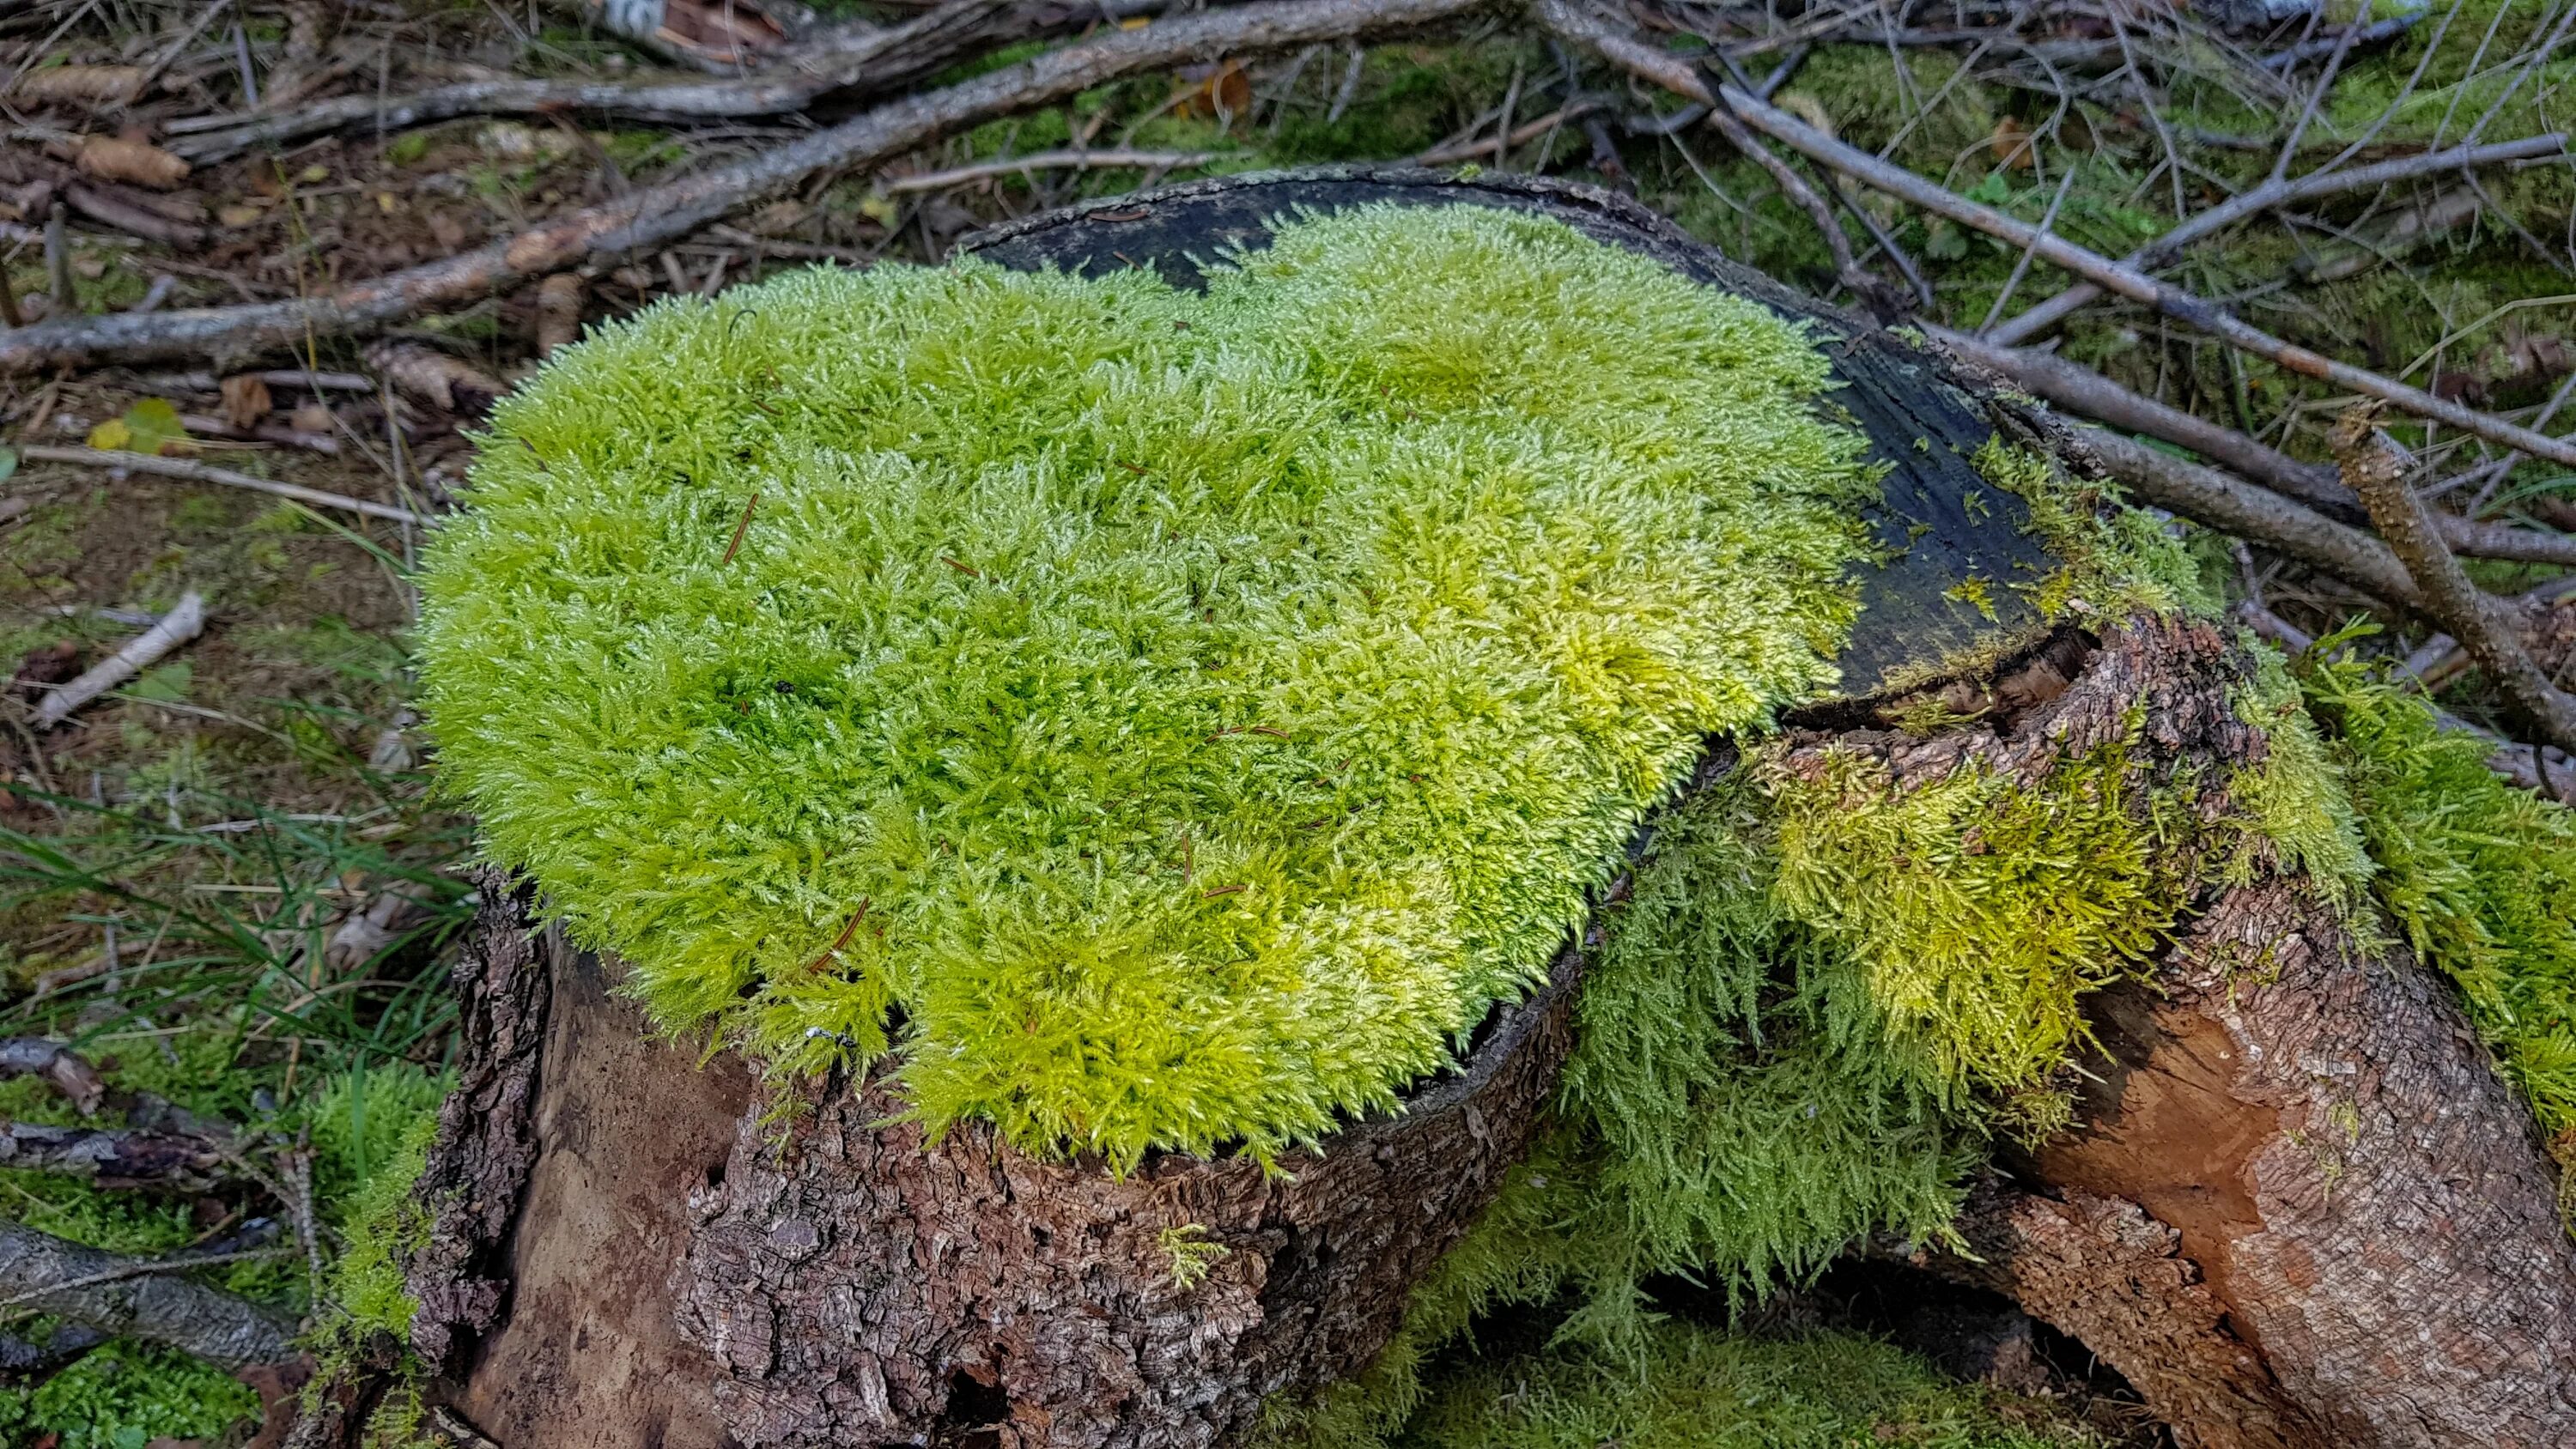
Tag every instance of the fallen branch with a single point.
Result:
(2373, 469)
(650, 216)
(1570, 21)
(2277, 192)
(2081, 390)
(194, 472)
(113, 1156)
(1117, 160)
(1520, 135)
(837, 63)
(70, 1072)
(181, 624)
(141, 1298)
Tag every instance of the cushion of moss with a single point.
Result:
(1187, 714)
(2480, 875)
(1699, 1388)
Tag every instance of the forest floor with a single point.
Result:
(231, 884)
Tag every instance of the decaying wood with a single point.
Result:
(2303, 1210)
(142, 1298)
(114, 1157)
(68, 1071)
(2312, 1132)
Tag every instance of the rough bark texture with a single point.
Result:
(2305, 1211)
(861, 1285)
(136, 1298)
(2302, 1208)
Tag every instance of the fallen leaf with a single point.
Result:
(434, 377)
(246, 399)
(8, 463)
(240, 213)
(314, 175)
(446, 230)
(310, 418)
(879, 208)
(2012, 145)
(114, 158)
(104, 85)
(150, 426)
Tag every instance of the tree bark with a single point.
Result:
(2302, 1209)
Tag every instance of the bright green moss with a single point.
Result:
(1983, 909)
(123, 1396)
(1187, 714)
(1704, 1389)
(2118, 559)
(2297, 803)
(2480, 876)
(379, 1128)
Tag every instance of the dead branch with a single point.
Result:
(70, 1072)
(650, 216)
(1118, 159)
(2081, 390)
(1520, 135)
(181, 624)
(194, 472)
(839, 62)
(113, 1156)
(143, 1298)
(1572, 22)
(2373, 468)
(2234, 506)
(2277, 192)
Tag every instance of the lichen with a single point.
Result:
(1183, 714)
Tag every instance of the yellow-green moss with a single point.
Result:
(1185, 714)
(2480, 876)
(1702, 1388)
(2118, 559)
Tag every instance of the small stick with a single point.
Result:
(740, 528)
(186, 471)
(58, 266)
(2373, 468)
(1117, 158)
(182, 624)
(1569, 20)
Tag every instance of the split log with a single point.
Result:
(637, 1244)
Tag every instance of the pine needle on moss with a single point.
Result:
(1221, 701)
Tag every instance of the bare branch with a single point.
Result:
(193, 472)
(141, 1298)
(2373, 468)
(2081, 390)
(650, 216)
(113, 1157)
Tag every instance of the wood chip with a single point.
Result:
(96, 85)
(246, 399)
(114, 158)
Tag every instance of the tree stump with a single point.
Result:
(2304, 1209)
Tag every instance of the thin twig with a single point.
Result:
(2373, 469)
(183, 623)
(1109, 160)
(652, 216)
(1570, 20)
(193, 472)
(2081, 390)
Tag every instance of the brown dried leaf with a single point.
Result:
(2013, 146)
(114, 158)
(246, 399)
(310, 418)
(436, 378)
(96, 85)
(559, 303)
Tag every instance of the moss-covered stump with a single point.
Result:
(2299, 1208)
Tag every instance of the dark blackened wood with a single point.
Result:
(1940, 522)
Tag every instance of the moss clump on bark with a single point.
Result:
(2478, 875)
(1703, 1389)
(1184, 715)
